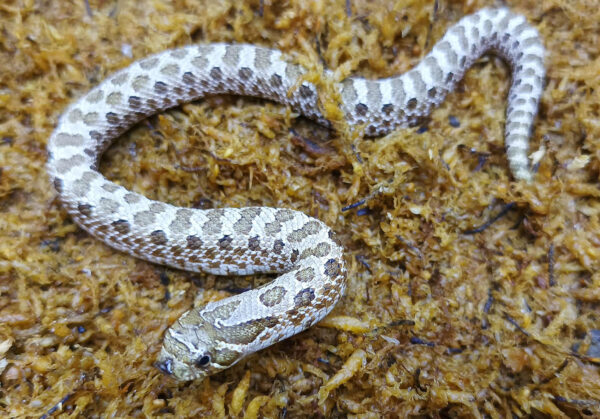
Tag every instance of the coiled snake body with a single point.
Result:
(243, 241)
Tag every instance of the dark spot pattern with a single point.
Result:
(284, 215)
(194, 242)
(121, 226)
(216, 73)
(246, 220)
(58, 185)
(254, 243)
(278, 247)
(96, 136)
(244, 333)
(214, 224)
(273, 228)
(110, 187)
(308, 229)
(158, 237)
(85, 209)
(149, 63)
(171, 70)
(245, 73)
(160, 87)
(188, 78)
(304, 297)
(225, 242)
(276, 80)
(294, 256)
(273, 296)
(305, 92)
(361, 109)
(64, 139)
(181, 222)
(387, 109)
(132, 198)
(305, 274)
(221, 312)
(332, 268)
(135, 102)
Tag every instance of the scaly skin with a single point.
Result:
(243, 241)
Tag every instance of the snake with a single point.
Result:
(302, 250)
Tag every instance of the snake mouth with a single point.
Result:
(166, 366)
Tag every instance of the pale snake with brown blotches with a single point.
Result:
(241, 241)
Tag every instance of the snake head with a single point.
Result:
(185, 369)
(191, 351)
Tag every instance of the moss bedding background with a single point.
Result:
(435, 321)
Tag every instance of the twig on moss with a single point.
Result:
(482, 158)
(518, 222)
(433, 20)
(418, 341)
(515, 324)
(551, 279)
(417, 382)
(88, 9)
(311, 147)
(446, 166)
(486, 309)
(577, 402)
(410, 246)
(164, 281)
(363, 261)
(357, 154)
(484, 226)
(394, 323)
(488, 303)
(356, 204)
(58, 406)
(401, 322)
(555, 373)
(319, 52)
(364, 211)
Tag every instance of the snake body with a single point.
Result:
(240, 241)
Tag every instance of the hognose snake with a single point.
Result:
(242, 241)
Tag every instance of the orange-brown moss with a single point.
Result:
(434, 322)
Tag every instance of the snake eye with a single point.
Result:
(203, 362)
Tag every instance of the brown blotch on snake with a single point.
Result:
(158, 237)
(225, 242)
(304, 297)
(254, 243)
(273, 296)
(122, 226)
(278, 246)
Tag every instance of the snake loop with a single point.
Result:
(240, 241)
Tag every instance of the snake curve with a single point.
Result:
(243, 241)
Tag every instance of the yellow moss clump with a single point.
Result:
(449, 311)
